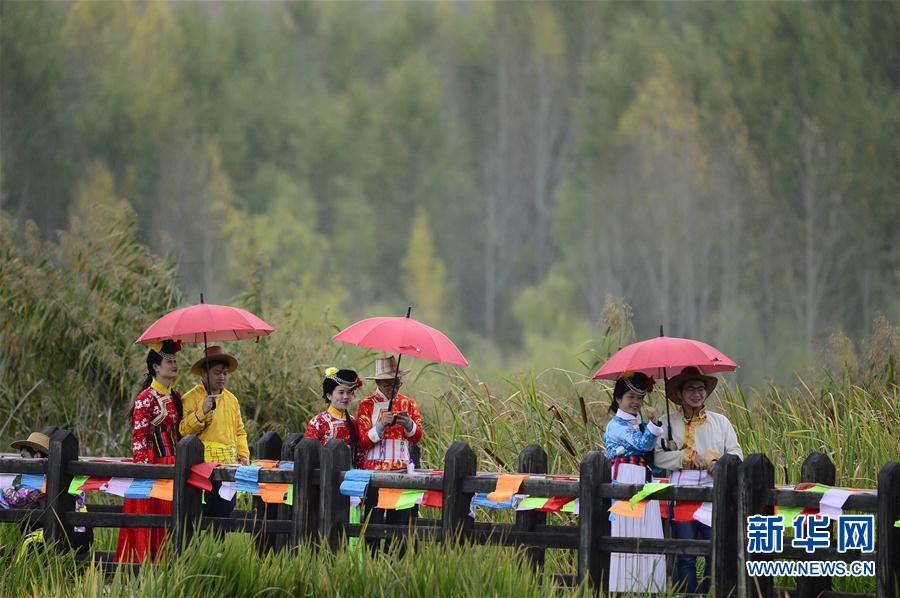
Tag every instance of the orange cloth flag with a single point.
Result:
(507, 485)
(388, 497)
(266, 463)
(163, 490)
(272, 493)
(624, 508)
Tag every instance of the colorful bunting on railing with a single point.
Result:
(555, 504)
(481, 500)
(94, 483)
(163, 490)
(246, 478)
(571, 507)
(531, 503)
(507, 486)
(118, 486)
(624, 508)
(648, 490)
(266, 463)
(433, 498)
(140, 488)
(227, 490)
(273, 492)
(199, 475)
(76, 483)
(35, 481)
(355, 482)
(286, 465)
(8, 480)
(399, 498)
(289, 495)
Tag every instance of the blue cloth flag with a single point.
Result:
(140, 488)
(32, 480)
(481, 500)
(285, 465)
(246, 478)
(355, 482)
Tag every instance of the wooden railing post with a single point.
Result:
(459, 462)
(63, 450)
(532, 459)
(267, 447)
(756, 476)
(306, 492)
(817, 467)
(286, 511)
(334, 507)
(593, 521)
(186, 500)
(726, 527)
(887, 548)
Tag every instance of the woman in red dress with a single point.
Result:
(155, 417)
(338, 389)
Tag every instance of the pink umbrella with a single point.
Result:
(658, 357)
(663, 356)
(206, 322)
(405, 336)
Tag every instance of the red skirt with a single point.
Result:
(142, 544)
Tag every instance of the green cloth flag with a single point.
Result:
(569, 507)
(817, 488)
(897, 523)
(533, 502)
(646, 491)
(788, 514)
(408, 499)
(289, 499)
(77, 482)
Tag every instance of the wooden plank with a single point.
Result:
(593, 521)
(286, 511)
(531, 486)
(797, 498)
(267, 447)
(19, 465)
(334, 507)
(16, 515)
(817, 467)
(887, 565)
(95, 508)
(756, 476)
(626, 491)
(459, 463)
(379, 531)
(125, 520)
(186, 506)
(532, 459)
(306, 492)
(63, 450)
(122, 470)
(416, 481)
(252, 526)
(274, 475)
(725, 527)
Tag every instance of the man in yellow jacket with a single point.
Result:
(213, 413)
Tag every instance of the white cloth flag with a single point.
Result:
(7, 480)
(227, 490)
(117, 486)
(832, 502)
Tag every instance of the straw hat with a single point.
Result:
(36, 442)
(386, 369)
(673, 384)
(214, 353)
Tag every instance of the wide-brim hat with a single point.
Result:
(674, 383)
(386, 369)
(214, 353)
(36, 441)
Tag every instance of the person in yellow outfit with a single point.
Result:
(213, 413)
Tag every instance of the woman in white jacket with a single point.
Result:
(699, 438)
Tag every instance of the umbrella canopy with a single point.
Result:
(665, 356)
(403, 335)
(206, 322)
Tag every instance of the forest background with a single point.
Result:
(543, 181)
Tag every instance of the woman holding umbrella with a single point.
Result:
(629, 447)
(155, 416)
(699, 439)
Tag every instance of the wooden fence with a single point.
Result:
(320, 513)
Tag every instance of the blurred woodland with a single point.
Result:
(510, 169)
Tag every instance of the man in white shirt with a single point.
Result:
(699, 438)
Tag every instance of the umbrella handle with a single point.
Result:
(206, 365)
(397, 371)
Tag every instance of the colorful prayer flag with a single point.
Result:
(507, 485)
(163, 490)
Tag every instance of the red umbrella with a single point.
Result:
(660, 356)
(405, 336)
(206, 322)
(663, 355)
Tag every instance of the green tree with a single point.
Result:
(424, 272)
